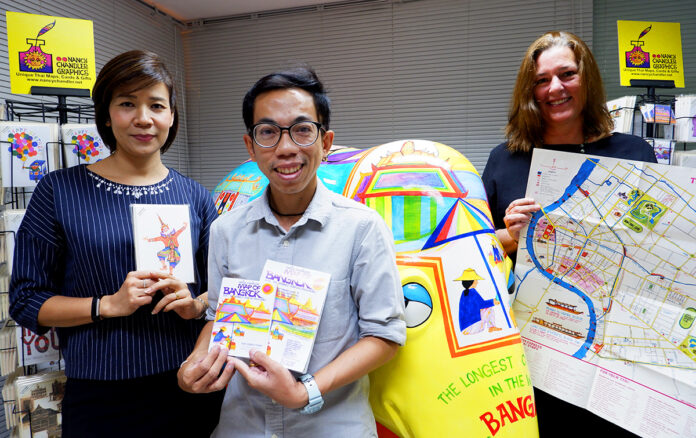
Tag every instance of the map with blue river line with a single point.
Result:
(605, 293)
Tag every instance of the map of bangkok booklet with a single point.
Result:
(162, 239)
(299, 301)
(243, 316)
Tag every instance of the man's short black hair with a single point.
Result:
(300, 77)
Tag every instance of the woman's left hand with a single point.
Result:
(518, 215)
(177, 297)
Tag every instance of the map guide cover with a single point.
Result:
(606, 289)
(279, 314)
(243, 316)
(300, 297)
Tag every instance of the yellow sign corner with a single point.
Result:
(49, 51)
(650, 50)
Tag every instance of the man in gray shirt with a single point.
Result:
(300, 222)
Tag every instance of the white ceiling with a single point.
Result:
(187, 10)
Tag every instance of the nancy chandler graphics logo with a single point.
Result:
(636, 57)
(34, 59)
(660, 62)
(655, 55)
(49, 51)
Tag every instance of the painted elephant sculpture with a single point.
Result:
(462, 371)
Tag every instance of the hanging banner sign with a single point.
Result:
(49, 52)
(650, 50)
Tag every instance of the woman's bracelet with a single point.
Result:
(205, 308)
(96, 316)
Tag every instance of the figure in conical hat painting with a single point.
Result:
(222, 338)
(170, 253)
(475, 313)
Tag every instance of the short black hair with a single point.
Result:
(300, 77)
(139, 69)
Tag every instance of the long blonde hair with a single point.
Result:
(525, 127)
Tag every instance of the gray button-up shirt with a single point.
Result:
(335, 235)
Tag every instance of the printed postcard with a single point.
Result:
(82, 144)
(40, 398)
(162, 238)
(24, 155)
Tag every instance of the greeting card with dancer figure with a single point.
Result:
(162, 239)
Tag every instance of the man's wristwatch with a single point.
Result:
(316, 402)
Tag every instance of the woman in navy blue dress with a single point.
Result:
(123, 333)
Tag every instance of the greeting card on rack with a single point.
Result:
(8, 350)
(162, 239)
(663, 149)
(4, 296)
(82, 144)
(243, 316)
(10, 400)
(39, 399)
(12, 219)
(34, 349)
(658, 113)
(685, 112)
(299, 302)
(621, 110)
(24, 152)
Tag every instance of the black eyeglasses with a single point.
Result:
(268, 134)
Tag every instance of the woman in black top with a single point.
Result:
(558, 103)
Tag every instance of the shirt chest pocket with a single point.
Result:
(339, 312)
